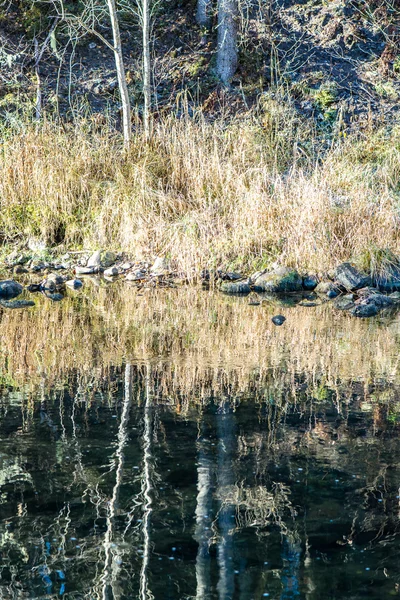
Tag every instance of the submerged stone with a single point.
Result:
(86, 270)
(74, 284)
(281, 280)
(111, 272)
(235, 287)
(10, 288)
(328, 288)
(364, 310)
(56, 297)
(16, 303)
(278, 320)
(351, 278)
(345, 302)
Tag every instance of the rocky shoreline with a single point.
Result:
(361, 294)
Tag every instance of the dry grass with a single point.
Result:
(240, 194)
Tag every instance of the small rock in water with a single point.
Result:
(16, 303)
(328, 288)
(86, 270)
(33, 287)
(278, 320)
(19, 270)
(111, 272)
(74, 284)
(10, 288)
(126, 266)
(310, 282)
(135, 276)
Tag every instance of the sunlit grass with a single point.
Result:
(242, 193)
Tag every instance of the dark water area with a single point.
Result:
(140, 485)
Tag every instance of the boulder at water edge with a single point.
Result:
(350, 278)
(280, 281)
(10, 288)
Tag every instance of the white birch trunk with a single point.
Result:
(119, 64)
(146, 68)
(227, 54)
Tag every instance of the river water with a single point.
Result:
(175, 444)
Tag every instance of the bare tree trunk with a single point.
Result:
(119, 63)
(227, 39)
(38, 103)
(146, 68)
(203, 13)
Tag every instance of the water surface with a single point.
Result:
(175, 444)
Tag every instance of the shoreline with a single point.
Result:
(360, 293)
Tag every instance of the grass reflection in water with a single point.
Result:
(178, 445)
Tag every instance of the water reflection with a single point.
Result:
(218, 462)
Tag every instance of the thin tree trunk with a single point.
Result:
(227, 40)
(203, 13)
(146, 68)
(119, 64)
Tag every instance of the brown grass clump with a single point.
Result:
(242, 194)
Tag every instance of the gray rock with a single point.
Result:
(74, 284)
(310, 282)
(135, 276)
(281, 280)
(235, 287)
(10, 288)
(86, 270)
(126, 266)
(107, 258)
(55, 278)
(350, 278)
(95, 259)
(48, 284)
(111, 272)
(160, 267)
(278, 320)
(16, 303)
(328, 288)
